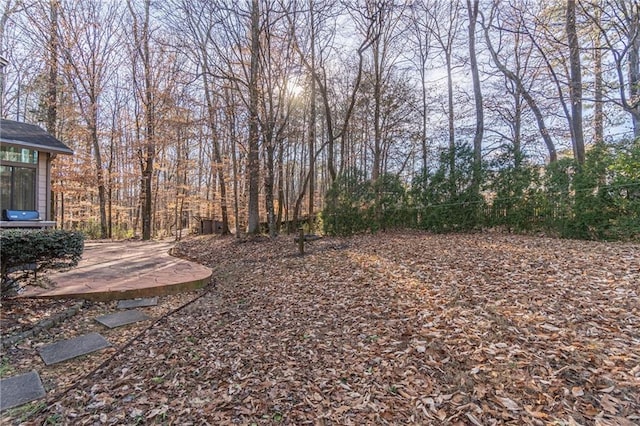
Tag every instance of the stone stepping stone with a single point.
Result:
(122, 318)
(18, 390)
(67, 349)
(138, 303)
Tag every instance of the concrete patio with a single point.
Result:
(124, 270)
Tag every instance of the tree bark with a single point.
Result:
(102, 195)
(52, 83)
(147, 150)
(253, 169)
(575, 83)
(147, 170)
(451, 127)
(598, 112)
(472, 10)
(231, 119)
(312, 120)
(281, 195)
(217, 157)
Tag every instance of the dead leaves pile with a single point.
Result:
(23, 314)
(395, 328)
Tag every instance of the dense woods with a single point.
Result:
(439, 114)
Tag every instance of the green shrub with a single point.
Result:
(557, 202)
(354, 204)
(449, 201)
(37, 250)
(598, 200)
(346, 205)
(625, 190)
(514, 184)
(594, 207)
(390, 204)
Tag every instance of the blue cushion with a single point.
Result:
(21, 215)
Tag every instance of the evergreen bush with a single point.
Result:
(599, 199)
(347, 205)
(447, 201)
(37, 250)
(514, 185)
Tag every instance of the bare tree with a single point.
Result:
(88, 48)
(10, 8)
(598, 113)
(199, 19)
(472, 10)
(144, 85)
(385, 19)
(575, 82)
(618, 23)
(420, 29)
(446, 22)
(518, 81)
(337, 117)
(52, 89)
(277, 55)
(513, 114)
(253, 166)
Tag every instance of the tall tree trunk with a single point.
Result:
(452, 136)
(423, 136)
(147, 151)
(377, 100)
(253, 169)
(147, 170)
(517, 128)
(269, 185)
(52, 83)
(231, 120)
(6, 12)
(110, 177)
(281, 195)
(634, 69)
(598, 113)
(575, 84)
(217, 157)
(472, 9)
(312, 121)
(424, 46)
(95, 142)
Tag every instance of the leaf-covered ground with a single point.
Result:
(395, 328)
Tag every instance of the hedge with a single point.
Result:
(37, 250)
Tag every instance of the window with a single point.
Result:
(18, 178)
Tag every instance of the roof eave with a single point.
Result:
(37, 147)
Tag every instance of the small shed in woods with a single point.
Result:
(26, 153)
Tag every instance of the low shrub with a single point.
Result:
(37, 250)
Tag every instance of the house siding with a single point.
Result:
(42, 204)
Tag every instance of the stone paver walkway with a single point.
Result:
(137, 303)
(71, 348)
(19, 390)
(118, 319)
